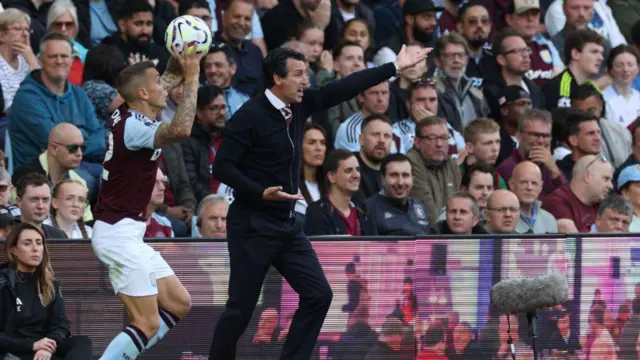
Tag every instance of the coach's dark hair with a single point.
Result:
(276, 64)
(373, 117)
(31, 179)
(132, 7)
(186, 5)
(479, 167)
(332, 163)
(337, 50)
(498, 40)
(577, 39)
(585, 91)
(397, 157)
(130, 77)
(574, 119)
(206, 94)
(104, 62)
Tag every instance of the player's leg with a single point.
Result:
(145, 322)
(174, 301)
(299, 265)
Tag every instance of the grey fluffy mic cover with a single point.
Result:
(511, 296)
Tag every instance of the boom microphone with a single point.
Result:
(512, 296)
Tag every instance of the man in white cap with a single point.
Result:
(629, 186)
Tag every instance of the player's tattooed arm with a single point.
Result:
(180, 127)
(173, 73)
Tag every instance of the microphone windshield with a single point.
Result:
(511, 296)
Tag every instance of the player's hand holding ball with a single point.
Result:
(188, 39)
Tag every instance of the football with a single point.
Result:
(185, 30)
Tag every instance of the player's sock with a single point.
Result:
(126, 345)
(167, 322)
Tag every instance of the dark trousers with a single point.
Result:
(74, 348)
(256, 242)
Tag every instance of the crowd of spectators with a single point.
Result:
(524, 118)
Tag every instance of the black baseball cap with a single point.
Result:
(414, 7)
(511, 94)
(6, 218)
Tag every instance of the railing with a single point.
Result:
(450, 276)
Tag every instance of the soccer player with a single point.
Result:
(153, 296)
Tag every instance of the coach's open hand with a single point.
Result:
(276, 193)
(406, 60)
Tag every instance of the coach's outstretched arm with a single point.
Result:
(351, 86)
(182, 123)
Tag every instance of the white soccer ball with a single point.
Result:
(185, 30)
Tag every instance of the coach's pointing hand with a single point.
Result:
(276, 193)
(407, 59)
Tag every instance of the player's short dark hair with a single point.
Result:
(497, 46)
(130, 77)
(31, 179)
(468, 5)
(206, 94)
(574, 119)
(577, 39)
(104, 62)
(132, 7)
(429, 121)
(373, 117)
(482, 168)
(224, 48)
(276, 64)
(391, 158)
(186, 5)
(337, 50)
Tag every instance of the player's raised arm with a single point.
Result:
(180, 127)
(173, 73)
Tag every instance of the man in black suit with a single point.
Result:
(260, 159)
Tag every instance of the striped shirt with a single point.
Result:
(11, 78)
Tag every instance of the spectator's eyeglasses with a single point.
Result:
(73, 148)
(522, 51)
(598, 157)
(503, 210)
(3, 187)
(474, 21)
(61, 24)
(218, 108)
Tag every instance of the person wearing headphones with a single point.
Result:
(211, 219)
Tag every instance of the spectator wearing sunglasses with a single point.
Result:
(60, 161)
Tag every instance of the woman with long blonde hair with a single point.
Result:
(33, 322)
(68, 203)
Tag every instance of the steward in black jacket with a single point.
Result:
(24, 319)
(323, 219)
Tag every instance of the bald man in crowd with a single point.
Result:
(526, 184)
(575, 206)
(61, 160)
(503, 211)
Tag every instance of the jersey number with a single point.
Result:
(109, 155)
